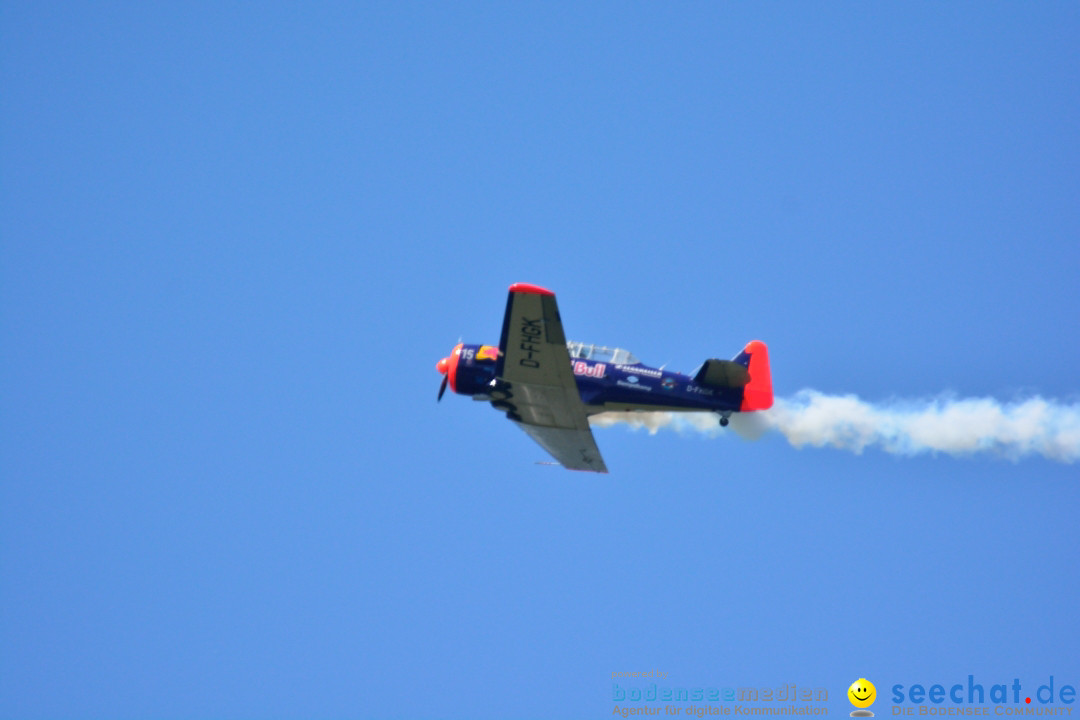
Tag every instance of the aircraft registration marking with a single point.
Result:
(531, 330)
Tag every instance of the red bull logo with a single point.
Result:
(594, 371)
(487, 352)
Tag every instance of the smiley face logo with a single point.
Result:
(862, 693)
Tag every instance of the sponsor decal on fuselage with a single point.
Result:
(640, 370)
(594, 371)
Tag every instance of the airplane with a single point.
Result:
(549, 387)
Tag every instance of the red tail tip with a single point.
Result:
(758, 393)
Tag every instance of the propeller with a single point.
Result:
(443, 366)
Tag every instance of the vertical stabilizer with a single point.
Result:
(757, 394)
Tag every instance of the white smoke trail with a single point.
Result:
(903, 427)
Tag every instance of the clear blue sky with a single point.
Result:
(236, 237)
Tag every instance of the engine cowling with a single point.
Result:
(469, 369)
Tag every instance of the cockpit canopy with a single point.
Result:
(599, 353)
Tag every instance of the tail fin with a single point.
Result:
(757, 394)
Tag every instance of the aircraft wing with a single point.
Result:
(537, 389)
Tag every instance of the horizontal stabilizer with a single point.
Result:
(722, 374)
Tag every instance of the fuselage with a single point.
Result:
(603, 385)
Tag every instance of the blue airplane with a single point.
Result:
(549, 387)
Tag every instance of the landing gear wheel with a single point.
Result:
(723, 422)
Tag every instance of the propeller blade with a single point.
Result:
(442, 388)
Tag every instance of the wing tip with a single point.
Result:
(529, 288)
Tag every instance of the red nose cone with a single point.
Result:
(443, 365)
